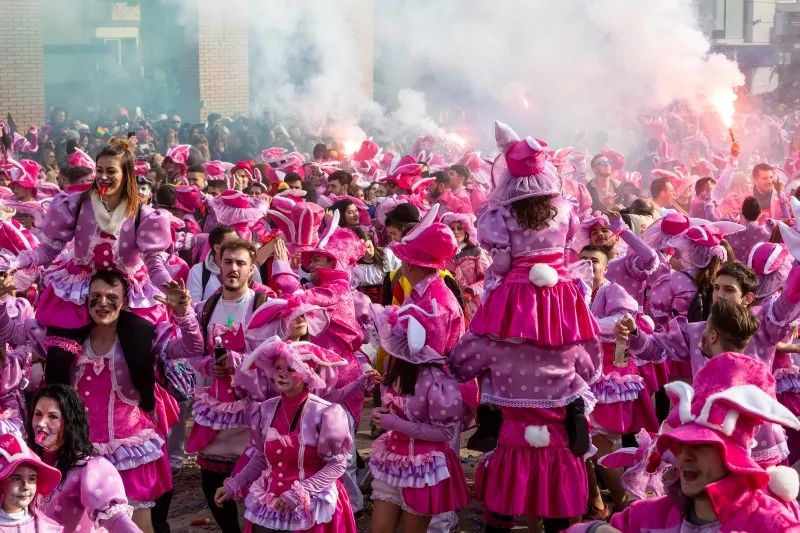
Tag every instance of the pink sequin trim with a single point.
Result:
(65, 344)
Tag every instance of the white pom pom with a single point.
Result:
(543, 275)
(784, 482)
(537, 436)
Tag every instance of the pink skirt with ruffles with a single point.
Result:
(547, 316)
(429, 474)
(623, 402)
(526, 476)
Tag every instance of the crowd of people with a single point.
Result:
(617, 338)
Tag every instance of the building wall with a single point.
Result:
(358, 17)
(21, 61)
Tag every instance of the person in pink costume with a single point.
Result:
(91, 496)
(701, 255)
(302, 445)
(720, 488)
(470, 264)
(330, 263)
(644, 469)
(24, 480)
(14, 143)
(463, 195)
(689, 342)
(243, 213)
(110, 231)
(175, 163)
(754, 231)
(623, 402)
(533, 342)
(111, 365)
(574, 191)
(415, 464)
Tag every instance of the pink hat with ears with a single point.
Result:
(643, 467)
(216, 170)
(15, 453)
(141, 168)
(387, 161)
(49, 190)
(179, 155)
(188, 198)
(671, 225)
(314, 365)
(467, 221)
(79, 158)
(274, 317)
(340, 244)
(299, 221)
(523, 170)
(772, 263)
(428, 244)
(272, 154)
(730, 396)
(24, 172)
(700, 244)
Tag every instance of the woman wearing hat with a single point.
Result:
(302, 445)
(91, 495)
(533, 343)
(708, 438)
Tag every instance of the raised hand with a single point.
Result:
(176, 297)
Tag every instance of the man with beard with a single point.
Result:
(603, 188)
(221, 430)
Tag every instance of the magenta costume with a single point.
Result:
(90, 498)
(100, 243)
(302, 445)
(623, 401)
(121, 432)
(533, 343)
(742, 241)
(14, 372)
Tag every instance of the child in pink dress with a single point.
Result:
(415, 464)
(302, 445)
(24, 478)
(533, 343)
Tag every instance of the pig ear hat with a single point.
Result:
(700, 244)
(314, 365)
(274, 317)
(771, 262)
(523, 169)
(428, 244)
(730, 396)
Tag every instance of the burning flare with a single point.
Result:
(351, 146)
(723, 103)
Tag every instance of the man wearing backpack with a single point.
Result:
(221, 430)
(204, 277)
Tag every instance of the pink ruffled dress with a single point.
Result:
(301, 446)
(218, 407)
(14, 372)
(125, 247)
(91, 498)
(417, 457)
(623, 401)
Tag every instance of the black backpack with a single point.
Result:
(700, 306)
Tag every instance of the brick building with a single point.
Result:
(98, 53)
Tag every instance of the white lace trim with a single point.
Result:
(114, 510)
(771, 313)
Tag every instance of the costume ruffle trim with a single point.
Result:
(318, 508)
(614, 388)
(417, 471)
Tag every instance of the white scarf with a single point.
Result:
(108, 222)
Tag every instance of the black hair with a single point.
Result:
(751, 209)
(341, 206)
(345, 178)
(196, 168)
(75, 174)
(744, 276)
(319, 151)
(292, 176)
(407, 374)
(217, 235)
(166, 195)
(597, 248)
(75, 426)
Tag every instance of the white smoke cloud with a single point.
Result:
(548, 68)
